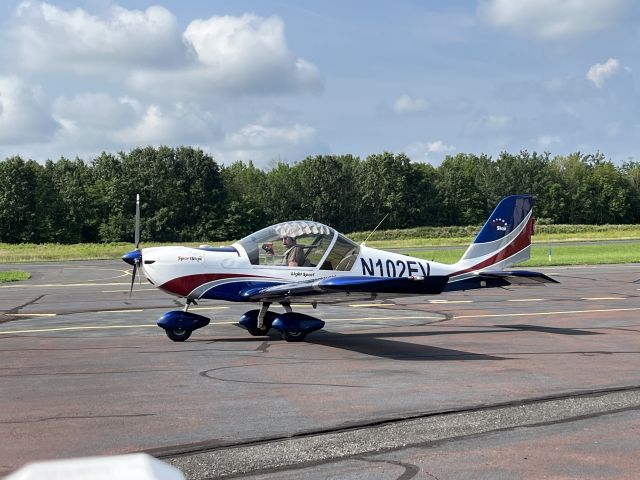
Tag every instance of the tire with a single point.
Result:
(293, 335)
(258, 332)
(178, 334)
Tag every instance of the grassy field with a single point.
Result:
(14, 276)
(49, 252)
(463, 235)
(389, 239)
(560, 254)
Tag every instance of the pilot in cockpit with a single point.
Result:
(294, 255)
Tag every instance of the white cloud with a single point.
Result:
(552, 19)
(46, 37)
(261, 136)
(404, 104)
(428, 151)
(497, 122)
(95, 110)
(24, 113)
(225, 54)
(599, 72)
(262, 143)
(98, 121)
(236, 54)
(545, 141)
(177, 123)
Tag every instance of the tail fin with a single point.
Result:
(504, 239)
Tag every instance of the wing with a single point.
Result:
(348, 288)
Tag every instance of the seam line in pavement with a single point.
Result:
(314, 448)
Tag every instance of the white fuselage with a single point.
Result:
(186, 272)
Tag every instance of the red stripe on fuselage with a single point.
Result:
(523, 240)
(183, 286)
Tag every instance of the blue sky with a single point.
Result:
(280, 80)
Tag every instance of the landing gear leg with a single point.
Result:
(188, 304)
(264, 308)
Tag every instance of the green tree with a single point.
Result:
(383, 188)
(465, 185)
(328, 196)
(246, 210)
(19, 181)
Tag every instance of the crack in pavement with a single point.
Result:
(303, 449)
(410, 470)
(75, 417)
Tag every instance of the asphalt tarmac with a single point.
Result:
(530, 382)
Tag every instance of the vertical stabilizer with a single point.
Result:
(505, 238)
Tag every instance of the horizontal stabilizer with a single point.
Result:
(517, 277)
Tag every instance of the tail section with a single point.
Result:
(505, 239)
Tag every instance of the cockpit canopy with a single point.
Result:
(322, 246)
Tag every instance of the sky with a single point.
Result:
(281, 80)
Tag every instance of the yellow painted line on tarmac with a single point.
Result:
(135, 290)
(31, 314)
(450, 301)
(359, 319)
(603, 298)
(527, 300)
(64, 285)
(559, 312)
(84, 327)
(133, 310)
(360, 305)
(208, 308)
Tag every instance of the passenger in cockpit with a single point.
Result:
(294, 255)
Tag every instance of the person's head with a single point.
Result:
(288, 241)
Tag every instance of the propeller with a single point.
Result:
(134, 257)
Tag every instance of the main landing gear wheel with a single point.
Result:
(258, 332)
(178, 334)
(293, 335)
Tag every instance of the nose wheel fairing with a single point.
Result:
(179, 324)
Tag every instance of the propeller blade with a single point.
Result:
(137, 234)
(133, 277)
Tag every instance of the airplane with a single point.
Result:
(329, 268)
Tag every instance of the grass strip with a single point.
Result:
(14, 276)
(560, 254)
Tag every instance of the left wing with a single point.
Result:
(347, 288)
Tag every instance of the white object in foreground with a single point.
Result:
(139, 466)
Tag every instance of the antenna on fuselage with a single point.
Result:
(374, 230)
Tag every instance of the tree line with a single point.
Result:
(187, 196)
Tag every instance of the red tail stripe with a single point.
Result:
(522, 241)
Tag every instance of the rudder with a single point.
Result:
(505, 238)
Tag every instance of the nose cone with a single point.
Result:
(133, 257)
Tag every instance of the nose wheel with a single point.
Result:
(178, 334)
(178, 325)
